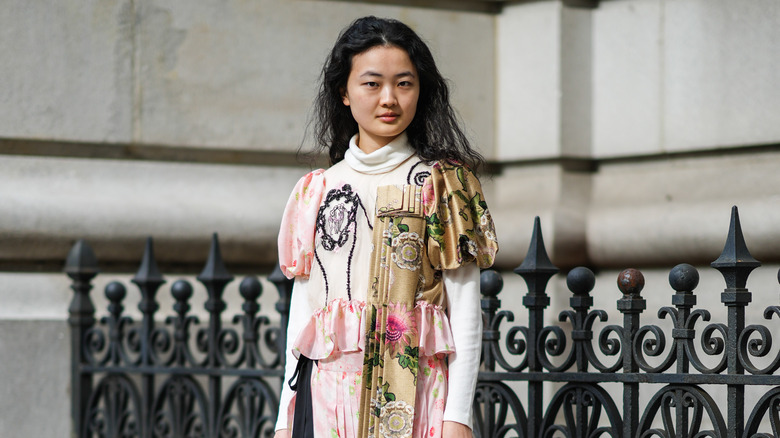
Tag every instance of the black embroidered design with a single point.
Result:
(336, 217)
(419, 177)
(336, 221)
(365, 213)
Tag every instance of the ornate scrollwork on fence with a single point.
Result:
(582, 406)
(113, 409)
(165, 378)
(180, 376)
(697, 352)
(245, 412)
(499, 411)
(681, 409)
(180, 409)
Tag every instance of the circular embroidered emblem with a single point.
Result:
(397, 419)
(407, 252)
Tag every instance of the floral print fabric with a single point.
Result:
(335, 388)
(337, 328)
(459, 226)
(296, 236)
(382, 336)
(418, 231)
(338, 375)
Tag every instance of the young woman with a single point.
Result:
(385, 247)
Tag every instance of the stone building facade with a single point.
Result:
(630, 127)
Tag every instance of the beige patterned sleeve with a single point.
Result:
(459, 226)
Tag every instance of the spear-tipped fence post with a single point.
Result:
(214, 277)
(735, 264)
(148, 279)
(536, 270)
(81, 266)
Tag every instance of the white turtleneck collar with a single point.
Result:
(382, 160)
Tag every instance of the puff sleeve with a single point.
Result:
(296, 235)
(458, 223)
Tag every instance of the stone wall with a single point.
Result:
(630, 129)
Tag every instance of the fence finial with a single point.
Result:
(536, 268)
(148, 272)
(735, 262)
(215, 270)
(81, 260)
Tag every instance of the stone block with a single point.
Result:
(48, 203)
(528, 81)
(515, 198)
(669, 212)
(721, 73)
(576, 82)
(35, 389)
(67, 70)
(627, 78)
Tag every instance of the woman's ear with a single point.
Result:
(344, 97)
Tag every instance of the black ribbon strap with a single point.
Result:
(303, 426)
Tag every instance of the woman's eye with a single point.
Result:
(371, 84)
(405, 84)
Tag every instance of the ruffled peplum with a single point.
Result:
(338, 328)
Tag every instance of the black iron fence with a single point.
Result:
(192, 378)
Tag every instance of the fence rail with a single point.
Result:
(183, 377)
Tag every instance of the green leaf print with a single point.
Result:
(388, 396)
(378, 360)
(403, 228)
(461, 173)
(460, 194)
(409, 359)
(476, 204)
(435, 229)
(463, 214)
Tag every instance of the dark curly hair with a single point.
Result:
(434, 133)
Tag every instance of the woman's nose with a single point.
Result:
(387, 97)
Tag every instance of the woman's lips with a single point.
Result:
(388, 117)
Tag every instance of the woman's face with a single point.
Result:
(382, 92)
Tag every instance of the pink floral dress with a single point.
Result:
(329, 243)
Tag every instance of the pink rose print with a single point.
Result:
(400, 326)
(427, 193)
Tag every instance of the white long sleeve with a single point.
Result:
(463, 306)
(300, 313)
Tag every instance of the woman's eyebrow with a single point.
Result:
(371, 73)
